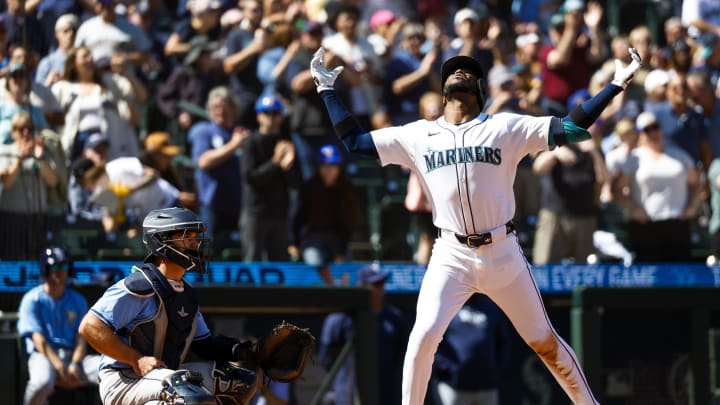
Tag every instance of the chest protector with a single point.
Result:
(169, 333)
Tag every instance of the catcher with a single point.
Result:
(146, 324)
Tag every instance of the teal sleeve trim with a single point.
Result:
(566, 131)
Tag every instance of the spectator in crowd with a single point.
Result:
(273, 61)
(17, 84)
(51, 67)
(660, 189)
(242, 49)
(568, 206)
(24, 29)
(641, 39)
(409, 75)
(49, 11)
(362, 65)
(27, 173)
(568, 60)
(48, 321)
(79, 199)
(681, 124)
(190, 81)
(655, 85)
(680, 60)
(128, 191)
(38, 94)
(309, 123)
(473, 354)
(107, 33)
(471, 28)
(616, 157)
(270, 170)
(338, 329)
(704, 99)
(385, 26)
(93, 103)
(159, 154)
(527, 66)
(204, 21)
(215, 147)
(701, 16)
(324, 215)
(416, 200)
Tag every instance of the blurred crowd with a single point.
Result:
(112, 108)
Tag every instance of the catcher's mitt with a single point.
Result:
(284, 353)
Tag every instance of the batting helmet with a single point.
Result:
(160, 229)
(55, 258)
(465, 62)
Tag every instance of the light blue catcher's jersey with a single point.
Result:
(122, 309)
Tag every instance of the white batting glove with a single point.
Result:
(623, 75)
(324, 79)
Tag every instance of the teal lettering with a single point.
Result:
(450, 157)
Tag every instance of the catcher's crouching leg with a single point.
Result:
(185, 387)
(232, 384)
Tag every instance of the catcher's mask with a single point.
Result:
(233, 385)
(451, 65)
(178, 235)
(55, 258)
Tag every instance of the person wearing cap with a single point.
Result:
(660, 189)
(471, 29)
(215, 146)
(324, 214)
(190, 81)
(384, 26)
(159, 154)
(567, 60)
(204, 21)
(467, 161)
(48, 319)
(269, 171)
(392, 330)
(409, 75)
(51, 67)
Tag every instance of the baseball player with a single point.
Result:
(466, 161)
(145, 325)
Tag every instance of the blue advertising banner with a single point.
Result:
(554, 279)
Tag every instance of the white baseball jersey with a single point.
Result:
(467, 170)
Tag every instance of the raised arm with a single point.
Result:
(573, 127)
(356, 139)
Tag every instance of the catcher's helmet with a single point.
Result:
(465, 62)
(164, 232)
(55, 258)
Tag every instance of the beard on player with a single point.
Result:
(460, 86)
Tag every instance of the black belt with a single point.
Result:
(475, 240)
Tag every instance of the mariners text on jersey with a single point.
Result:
(469, 154)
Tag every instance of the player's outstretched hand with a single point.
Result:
(324, 79)
(624, 75)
